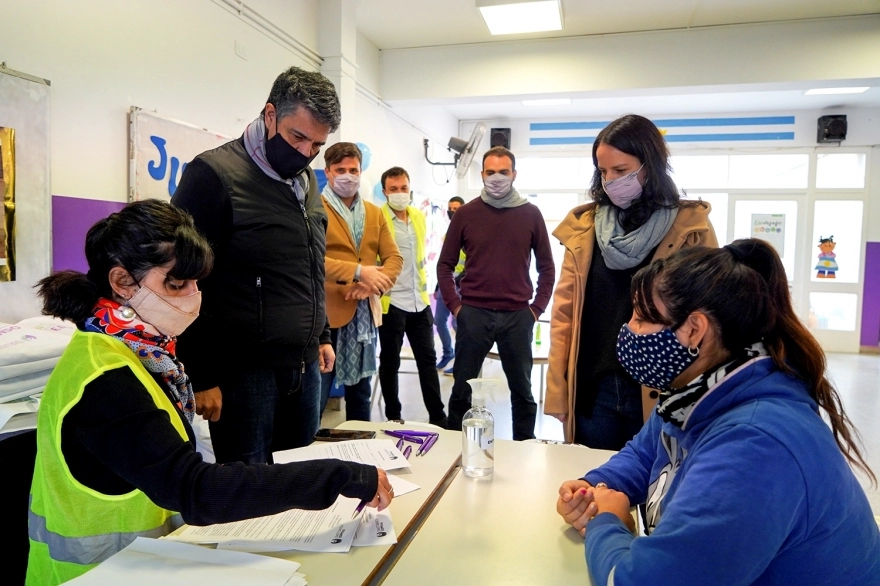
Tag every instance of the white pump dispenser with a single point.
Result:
(478, 431)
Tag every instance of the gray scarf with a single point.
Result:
(624, 251)
(511, 200)
(255, 145)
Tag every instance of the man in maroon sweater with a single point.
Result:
(498, 232)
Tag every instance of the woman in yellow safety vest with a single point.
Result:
(116, 451)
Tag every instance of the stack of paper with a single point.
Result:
(335, 529)
(19, 415)
(29, 350)
(147, 562)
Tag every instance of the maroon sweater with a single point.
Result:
(498, 244)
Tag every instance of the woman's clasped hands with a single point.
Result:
(579, 502)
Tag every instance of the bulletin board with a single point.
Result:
(27, 219)
(159, 150)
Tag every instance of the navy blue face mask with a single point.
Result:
(286, 160)
(653, 360)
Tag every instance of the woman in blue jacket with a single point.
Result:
(744, 481)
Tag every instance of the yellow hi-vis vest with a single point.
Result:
(418, 221)
(71, 527)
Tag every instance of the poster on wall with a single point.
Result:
(159, 150)
(771, 228)
(7, 194)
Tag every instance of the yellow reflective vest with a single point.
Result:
(71, 527)
(419, 225)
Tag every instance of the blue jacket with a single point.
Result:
(752, 490)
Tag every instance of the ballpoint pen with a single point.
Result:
(425, 446)
(359, 508)
(400, 444)
(430, 444)
(407, 452)
(408, 432)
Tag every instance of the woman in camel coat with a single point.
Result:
(636, 216)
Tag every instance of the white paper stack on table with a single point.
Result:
(29, 350)
(147, 562)
(335, 529)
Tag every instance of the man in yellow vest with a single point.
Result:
(406, 307)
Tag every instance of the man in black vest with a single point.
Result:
(256, 351)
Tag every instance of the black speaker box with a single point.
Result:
(499, 137)
(832, 128)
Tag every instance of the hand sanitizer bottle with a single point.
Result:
(478, 432)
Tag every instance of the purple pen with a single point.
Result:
(426, 446)
(429, 444)
(359, 508)
(401, 435)
(417, 433)
(407, 452)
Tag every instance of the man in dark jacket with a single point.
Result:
(256, 351)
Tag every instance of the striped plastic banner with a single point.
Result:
(674, 129)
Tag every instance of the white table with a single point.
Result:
(503, 530)
(365, 565)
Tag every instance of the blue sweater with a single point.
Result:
(752, 490)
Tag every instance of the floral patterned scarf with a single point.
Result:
(155, 351)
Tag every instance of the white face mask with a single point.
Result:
(170, 315)
(346, 186)
(398, 201)
(497, 185)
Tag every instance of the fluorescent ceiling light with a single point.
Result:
(836, 90)
(547, 102)
(507, 17)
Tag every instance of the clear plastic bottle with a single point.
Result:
(478, 432)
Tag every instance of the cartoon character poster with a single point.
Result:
(826, 267)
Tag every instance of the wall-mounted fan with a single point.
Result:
(464, 150)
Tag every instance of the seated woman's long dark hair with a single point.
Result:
(743, 290)
(139, 237)
(637, 136)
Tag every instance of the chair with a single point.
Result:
(18, 452)
(406, 353)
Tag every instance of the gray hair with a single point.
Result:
(296, 87)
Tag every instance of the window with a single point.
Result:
(775, 171)
(840, 171)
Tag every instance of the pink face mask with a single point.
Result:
(624, 190)
(168, 314)
(346, 186)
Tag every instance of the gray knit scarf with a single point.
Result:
(624, 251)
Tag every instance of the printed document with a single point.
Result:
(381, 453)
(330, 530)
(147, 562)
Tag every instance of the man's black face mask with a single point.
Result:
(286, 160)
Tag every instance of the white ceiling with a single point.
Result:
(399, 24)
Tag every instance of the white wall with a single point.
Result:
(177, 58)
(394, 141)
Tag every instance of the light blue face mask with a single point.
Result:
(653, 360)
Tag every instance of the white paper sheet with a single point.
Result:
(329, 530)
(375, 528)
(382, 453)
(147, 562)
(401, 486)
(20, 410)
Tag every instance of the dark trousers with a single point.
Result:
(266, 410)
(478, 329)
(418, 327)
(357, 396)
(616, 416)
